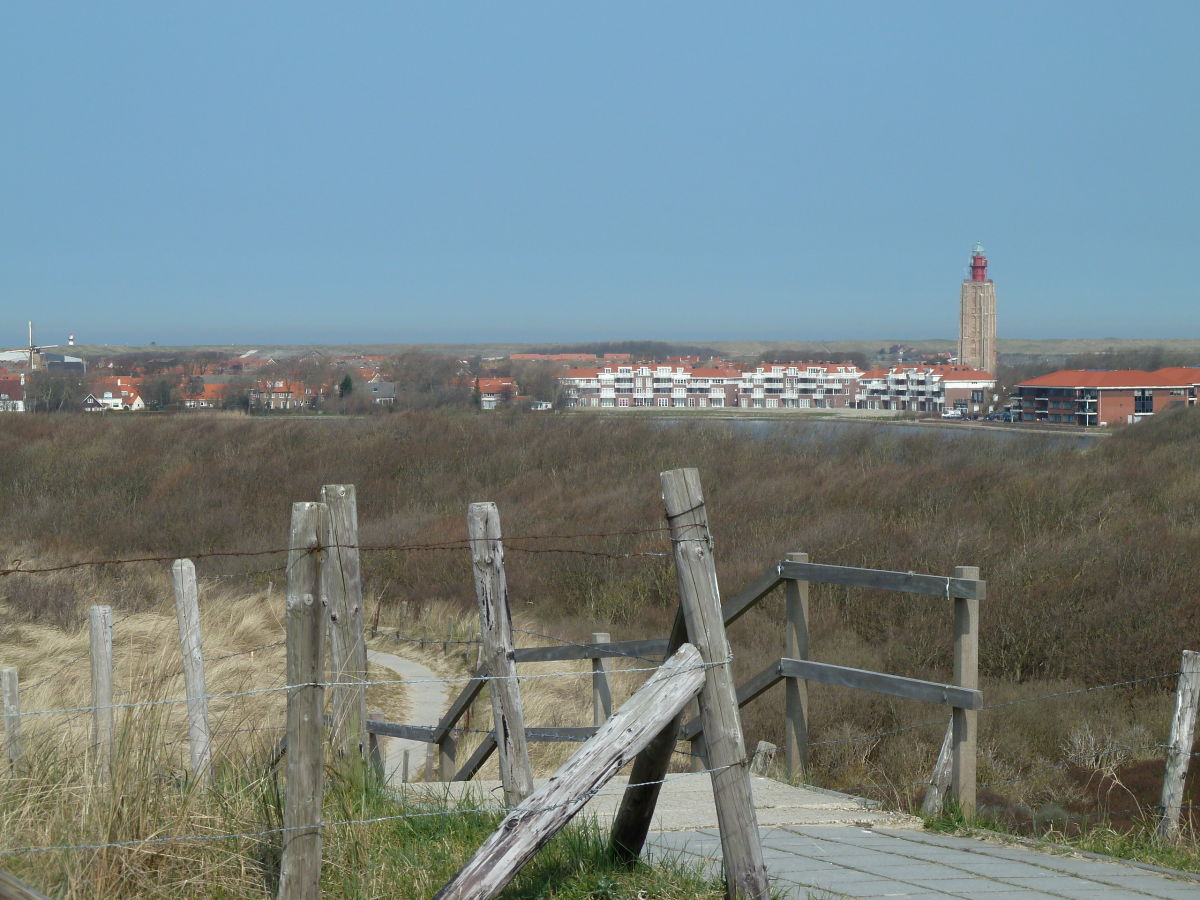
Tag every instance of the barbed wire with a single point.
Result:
(16, 568)
(1107, 752)
(1083, 690)
(251, 835)
(672, 672)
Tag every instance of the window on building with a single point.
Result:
(1143, 401)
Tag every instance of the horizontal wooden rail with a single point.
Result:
(764, 680)
(895, 685)
(654, 648)
(906, 582)
(392, 729)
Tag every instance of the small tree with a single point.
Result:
(345, 386)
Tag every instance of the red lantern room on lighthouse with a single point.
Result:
(978, 263)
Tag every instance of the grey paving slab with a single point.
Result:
(851, 861)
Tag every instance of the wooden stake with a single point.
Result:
(10, 688)
(100, 634)
(300, 866)
(1179, 750)
(539, 818)
(601, 692)
(964, 722)
(745, 872)
(491, 589)
(795, 646)
(341, 581)
(187, 614)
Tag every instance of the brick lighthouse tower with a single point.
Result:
(977, 317)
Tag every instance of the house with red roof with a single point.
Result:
(1106, 396)
(283, 393)
(495, 391)
(113, 392)
(12, 393)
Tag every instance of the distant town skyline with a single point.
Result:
(295, 173)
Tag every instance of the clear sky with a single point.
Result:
(279, 172)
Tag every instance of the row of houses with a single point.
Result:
(922, 388)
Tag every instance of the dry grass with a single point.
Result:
(1089, 557)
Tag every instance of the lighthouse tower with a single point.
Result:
(977, 317)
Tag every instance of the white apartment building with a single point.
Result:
(926, 389)
(774, 386)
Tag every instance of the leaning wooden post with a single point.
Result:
(491, 589)
(187, 613)
(300, 865)
(10, 688)
(795, 646)
(601, 692)
(1179, 750)
(529, 826)
(341, 581)
(100, 633)
(964, 722)
(745, 872)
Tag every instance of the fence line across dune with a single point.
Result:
(319, 560)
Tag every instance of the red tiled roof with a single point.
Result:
(1178, 376)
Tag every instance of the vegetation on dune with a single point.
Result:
(1089, 555)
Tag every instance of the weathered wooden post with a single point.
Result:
(374, 751)
(100, 635)
(943, 771)
(341, 582)
(10, 688)
(745, 872)
(1179, 750)
(795, 646)
(300, 865)
(187, 614)
(601, 692)
(964, 722)
(491, 589)
(536, 820)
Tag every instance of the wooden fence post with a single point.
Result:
(100, 634)
(187, 613)
(601, 692)
(795, 640)
(943, 770)
(10, 688)
(964, 722)
(491, 589)
(1179, 750)
(341, 582)
(741, 847)
(374, 751)
(300, 865)
(636, 811)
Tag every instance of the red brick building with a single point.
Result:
(1106, 396)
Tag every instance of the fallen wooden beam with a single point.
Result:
(540, 816)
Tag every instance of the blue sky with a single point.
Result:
(362, 172)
